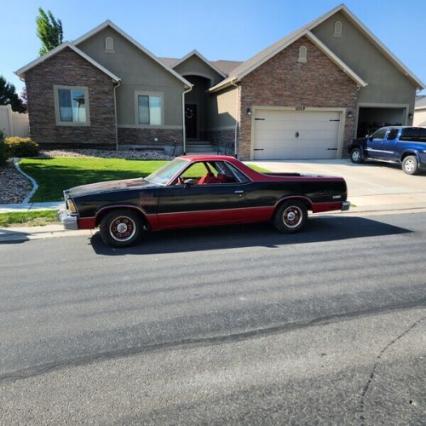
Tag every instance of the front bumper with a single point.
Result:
(68, 220)
(345, 205)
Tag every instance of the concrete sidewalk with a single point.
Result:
(25, 207)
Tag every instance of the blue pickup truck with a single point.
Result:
(395, 144)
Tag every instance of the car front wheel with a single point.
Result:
(291, 216)
(356, 156)
(121, 228)
(410, 165)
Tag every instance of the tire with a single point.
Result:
(357, 156)
(410, 165)
(121, 228)
(291, 216)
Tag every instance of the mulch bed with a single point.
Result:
(13, 186)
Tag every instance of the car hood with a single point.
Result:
(109, 186)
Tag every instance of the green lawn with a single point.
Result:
(53, 175)
(32, 218)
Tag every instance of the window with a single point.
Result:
(393, 134)
(379, 134)
(149, 109)
(338, 26)
(415, 134)
(72, 105)
(109, 45)
(303, 54)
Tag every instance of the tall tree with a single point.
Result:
(8, 96)
(49, 31)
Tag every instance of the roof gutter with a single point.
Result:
(183, 119)
(115, 86)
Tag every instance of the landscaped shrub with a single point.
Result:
(3, 155)
(21, 147)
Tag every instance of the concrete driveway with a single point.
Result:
(371, 186)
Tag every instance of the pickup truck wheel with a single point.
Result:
(410, 165)
(291, 216)
(357, 156)
(121, 228)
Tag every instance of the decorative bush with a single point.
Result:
(21, 147)
(3, 155)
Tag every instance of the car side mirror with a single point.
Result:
(190, 182)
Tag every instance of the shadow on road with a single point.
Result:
(12, 237)
(320, 229)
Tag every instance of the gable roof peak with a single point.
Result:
(109, 23)
(195, 52)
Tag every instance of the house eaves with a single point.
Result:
(264, 55)
(131, 40)
(202, 58)
(21, 72)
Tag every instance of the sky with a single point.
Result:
(219, 29)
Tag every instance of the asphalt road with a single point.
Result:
(221, 326)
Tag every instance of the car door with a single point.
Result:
(189, 204)
(375, 144)
(389, 146)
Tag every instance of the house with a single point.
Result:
(304, 97)
(420, 111)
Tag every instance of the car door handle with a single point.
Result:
(239, 192)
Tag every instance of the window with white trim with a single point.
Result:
(338, 28)
(149, 109)
(303, 54)
(72, 105)
(109, 45)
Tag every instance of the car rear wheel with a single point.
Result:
(410, 165)
(291, 216)
(356, 156)
(121, 228)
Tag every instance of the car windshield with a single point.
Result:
(163, 175)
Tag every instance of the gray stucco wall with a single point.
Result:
(138, 73)
(386, 83)
(223, 109)
(195, 66)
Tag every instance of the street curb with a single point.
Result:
(33, 182)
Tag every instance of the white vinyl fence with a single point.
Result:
(13, 123)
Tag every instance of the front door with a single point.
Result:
(376, 144)
(191, 121)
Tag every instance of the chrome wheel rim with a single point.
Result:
(410, 166)
(292, 216)
(122, 228)
(356, 155)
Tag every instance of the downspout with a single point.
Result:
(115, 114)
(183, 119)
(237, 117)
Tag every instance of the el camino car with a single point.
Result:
(200, 190)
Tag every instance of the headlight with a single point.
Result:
(71, 206)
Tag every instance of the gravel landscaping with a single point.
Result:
(103, 153)
(13, 186)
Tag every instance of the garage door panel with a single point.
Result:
(296, 134)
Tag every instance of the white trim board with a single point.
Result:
(110, 24)
(21, 72)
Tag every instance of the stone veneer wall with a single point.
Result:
(223, 139)
(283, 81)
(168, 139)
(67, 68)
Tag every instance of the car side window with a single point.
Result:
(379, 134)
(392, 135)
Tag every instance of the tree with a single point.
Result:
(8, 96)
(49, 31)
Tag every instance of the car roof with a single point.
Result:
(207, 157)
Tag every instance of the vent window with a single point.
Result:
(109, 45)
(303, 54)
(338, 27)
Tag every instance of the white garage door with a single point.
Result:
(295, 135)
